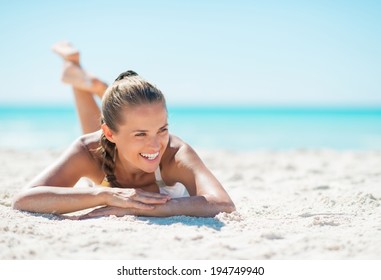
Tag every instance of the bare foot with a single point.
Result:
(74, 75)
(67, 51)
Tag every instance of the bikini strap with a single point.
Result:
(158, 177)
(159, 180)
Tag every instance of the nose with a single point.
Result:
(154, 143)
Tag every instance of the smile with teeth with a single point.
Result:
(150, 156)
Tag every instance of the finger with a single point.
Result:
(73, 218)
(133, 193)
(150, 197)
(99, 214)
(132, 203)
(88, 216)
(138, 199)
(151, 200)
(95, 213)
(140, 205)
(85, 217)
(151, 194)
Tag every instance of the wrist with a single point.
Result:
(103, 194)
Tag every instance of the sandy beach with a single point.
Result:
(299, 204)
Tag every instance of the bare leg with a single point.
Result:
(85, 87)
(74, 75)
(95, 86)
(87, 110)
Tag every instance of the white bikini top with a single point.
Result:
(175, 191)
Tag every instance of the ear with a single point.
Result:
(108, 133)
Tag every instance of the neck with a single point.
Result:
(126, 170)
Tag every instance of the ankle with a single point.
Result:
(74, 58)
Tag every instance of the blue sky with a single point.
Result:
(320, 53)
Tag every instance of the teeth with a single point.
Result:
(150, 156)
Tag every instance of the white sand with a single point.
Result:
(290, 205)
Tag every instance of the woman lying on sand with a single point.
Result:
(137, 167)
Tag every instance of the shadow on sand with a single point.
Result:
(212, 223)
(185, 220)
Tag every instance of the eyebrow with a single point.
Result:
(145, 130)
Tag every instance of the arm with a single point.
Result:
(62, 200)
(197, 206)
(52, 191)
(208, 197)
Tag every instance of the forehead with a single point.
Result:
(145, 116)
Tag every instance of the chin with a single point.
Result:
(150, 167)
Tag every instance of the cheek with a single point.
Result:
(129, 147)
(165, 140)
(136, 146)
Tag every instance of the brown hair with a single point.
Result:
(129, 89)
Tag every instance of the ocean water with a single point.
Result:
(216, 128)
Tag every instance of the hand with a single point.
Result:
(134, 198)
(107, 211)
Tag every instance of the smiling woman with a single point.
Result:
(147, 171)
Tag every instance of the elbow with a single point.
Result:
(218, 205)
(224, 207)
(26, 200)
(20, 202)
(227, 207)
(17, 203)
(231, 208)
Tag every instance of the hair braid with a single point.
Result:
(108, 162)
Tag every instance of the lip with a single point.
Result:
(151, 157)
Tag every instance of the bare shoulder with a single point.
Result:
(179, 156)
(87, 146)
(78, 160)
(182, 164)
(91, 140)
(178, 150)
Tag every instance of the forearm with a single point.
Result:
(58, 200)
(198, 206)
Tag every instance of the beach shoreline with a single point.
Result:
(295, 204)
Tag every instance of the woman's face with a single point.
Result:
(143, 137)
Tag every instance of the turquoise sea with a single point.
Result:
(217, 128)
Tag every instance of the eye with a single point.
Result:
(140, 134)
(164, 130)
